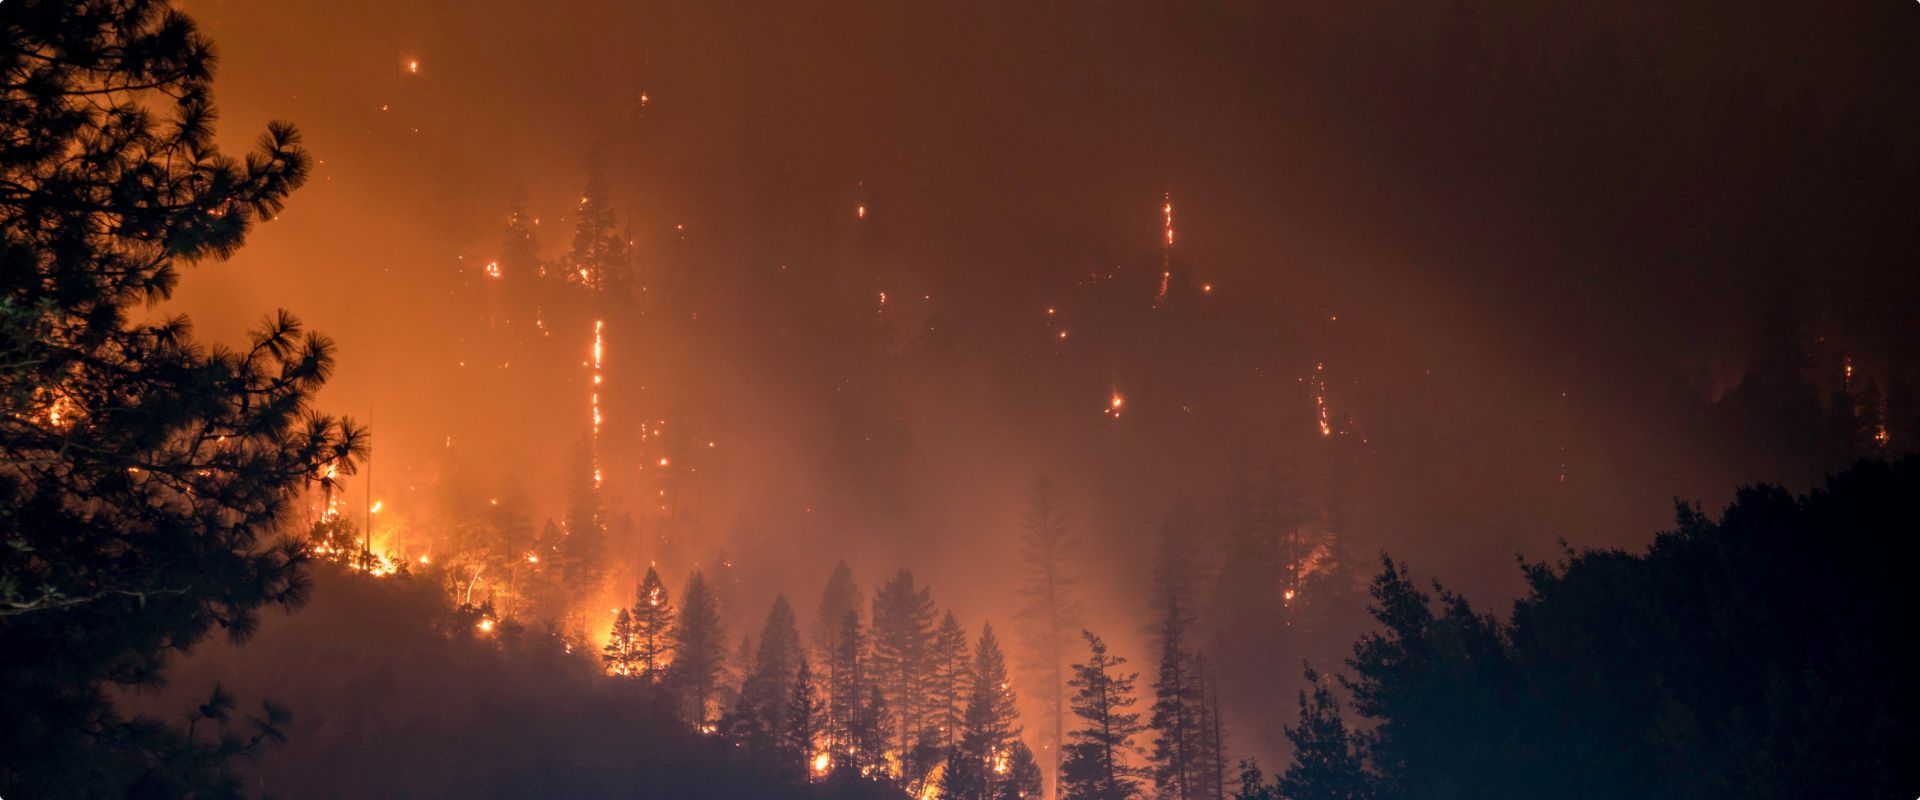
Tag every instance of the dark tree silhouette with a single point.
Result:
(700, 651)
(902, 639)
(652, 628)
(837, 620)
(1176, 716)
(1049, 613)
(1761, 655)
(990, 727)
(949, 672)
(1095, 767)
(140, 471)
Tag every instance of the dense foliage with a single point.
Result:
(1766, 654)
(141, 472)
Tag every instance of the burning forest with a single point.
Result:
(1184, 401)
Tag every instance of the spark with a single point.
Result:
(425, 560)
(493, 269)
(413, 66)
(1114, 404)
(485, 626)
(377, 506)
(860, 211)
(663, 461)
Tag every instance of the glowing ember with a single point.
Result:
(1320, 399)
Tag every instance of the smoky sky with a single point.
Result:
(1507, 235)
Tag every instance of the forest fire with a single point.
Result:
(1271, 568)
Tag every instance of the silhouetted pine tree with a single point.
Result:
(801, 726)
(1176, 716)
(831, 626)
(1022, 779)
(949, 670)
(652, 625)
(700, 651)
(140, 470)
(1049, 613)
(1210, 767)
(600, 258)
(847, 687)
(1327, 762)
(1095, 765)
(759, 720)
(902, 640)
(990, 725)
(577, 559)
(619, 654)
(872, 734)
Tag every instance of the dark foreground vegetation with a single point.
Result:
(1767, 653)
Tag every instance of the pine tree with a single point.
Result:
(759, 719)
(652, 626)
(991, 723)
(1210, 768)
(1095, 767)
(902, 639)
(141, 471)
(700, 650)
(1327, 762)
(847, 686)
(600, 259)
(801, 728)
(1175, 719)
(1048, 613)
(872, 734)
(619, 654)
(949, 671)
(1253, 784)
(578, 556)
(831, 626)
(1021, 779)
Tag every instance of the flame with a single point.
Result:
(821, 761)
(485, 625)
(1320, 398)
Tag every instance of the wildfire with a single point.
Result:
(1320, 399)
(821, 761)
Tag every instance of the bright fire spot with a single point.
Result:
(493, 269)
(820, 763)
(1206, 288)
(377, 505)
(1320, 398)
(413, 66)
(1287, 595)
(485, 626)
(425, 560)
(860, 212)
(663, 461)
